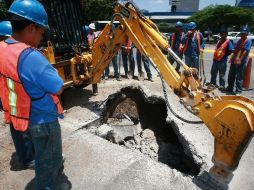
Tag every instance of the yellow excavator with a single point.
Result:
(230, 119)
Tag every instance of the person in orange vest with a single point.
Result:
(223, 49)
(238, 63)
(192, 45)
(23, 145)
(31, 85)
(127, 54)
(175, 41)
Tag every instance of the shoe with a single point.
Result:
(150, 79)
(106, 77)
(118, 78)
(141, 76)
(222, 88)
(230, 93)
(238, 92)
(130, 74)
(30, 165)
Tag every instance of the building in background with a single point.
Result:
(245, 3)
(184, 5)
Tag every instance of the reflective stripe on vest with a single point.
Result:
(188, 39)
(220, 51)
(12, 97)
(16, 101)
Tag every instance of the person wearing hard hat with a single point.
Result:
(175, 41)
(31, 86)
(91, 35)
(223, 49)
(192, 45)
(238, 63)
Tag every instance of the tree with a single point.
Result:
(3, 11)
(215, 17)
(95, 10)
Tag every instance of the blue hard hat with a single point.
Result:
(245, 30)
(179, 24)
(5, 28)
(192, 26)
(31, 10)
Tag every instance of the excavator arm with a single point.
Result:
(229, 118)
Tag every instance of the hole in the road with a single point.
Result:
(131, 121)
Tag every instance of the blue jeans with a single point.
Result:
(220, 67)
(146, 64)
(192, 61)
(125, 57)
(115, 66)
(23, 145)
(235, 76)
(48, 153)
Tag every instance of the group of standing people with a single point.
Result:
(128, 60)
(238, 60)
(189, 45)
(192, 45)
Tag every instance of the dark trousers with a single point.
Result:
(23, 145)
(235, 76)
(218, 67)
(48, 153)
(126, 57)
(192, 61)
(115, 66)
(172, 61)
(145, 62)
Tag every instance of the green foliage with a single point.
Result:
(215, 17)
(95, 10)
(3, 11)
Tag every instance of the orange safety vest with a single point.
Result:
(220, 51)
(128, 46)
(188, 39)
(239, 51)
(173, 39)
(16, 101)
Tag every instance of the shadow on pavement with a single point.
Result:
(62, 183)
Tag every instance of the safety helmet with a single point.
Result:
(92, 26)
(179, 24)
(31, 10)
(5, 28)
(245, 30)
(192, 26)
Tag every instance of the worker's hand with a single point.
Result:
(239, 61)
(201, 50)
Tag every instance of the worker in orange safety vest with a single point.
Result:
(192, 45)
(223, 49)
(23, 145)
(175, 41)
(30, 87)
(238, 62)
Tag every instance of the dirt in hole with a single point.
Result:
(140, 123)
